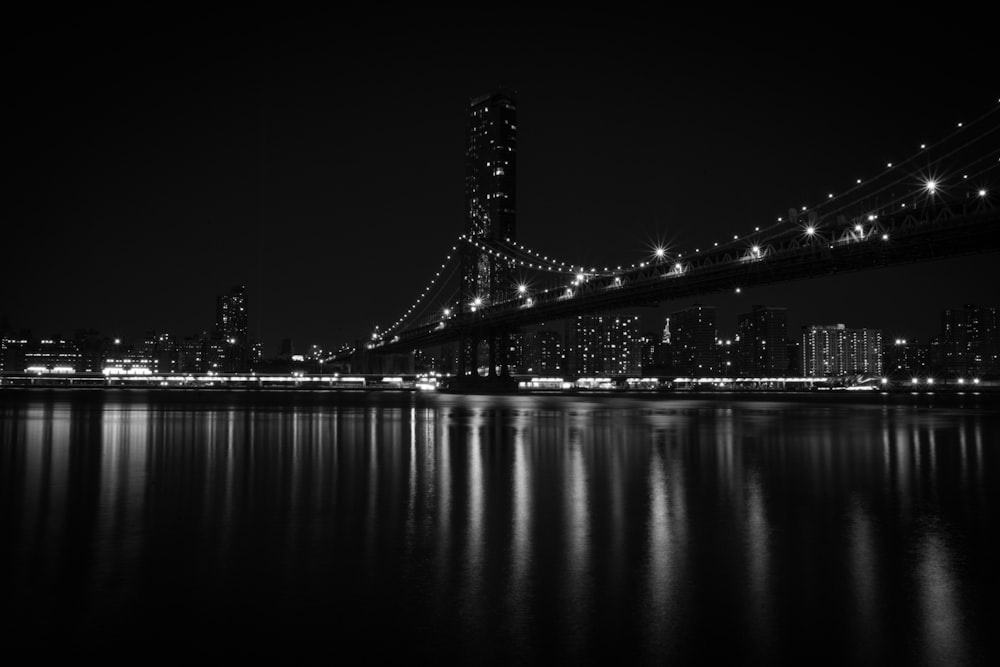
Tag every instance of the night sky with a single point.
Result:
(322, 163)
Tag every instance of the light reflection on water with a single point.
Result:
(505, 528)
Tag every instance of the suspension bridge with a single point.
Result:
(939, 202)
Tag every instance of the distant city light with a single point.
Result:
(885, 237)
(477, 302)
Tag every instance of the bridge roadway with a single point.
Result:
(958, 228)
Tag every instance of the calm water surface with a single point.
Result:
(372, 527)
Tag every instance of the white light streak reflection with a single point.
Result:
(577, 513)
(867, 622)
(124, 449)
(473, 563)
(660, 577)
(758, 562)
(940, 601)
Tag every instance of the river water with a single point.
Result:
(500, 529)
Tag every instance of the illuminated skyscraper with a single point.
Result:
(231, 327)
(490, 196)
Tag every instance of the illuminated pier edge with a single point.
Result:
(434, 381)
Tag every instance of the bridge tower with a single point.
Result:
(490, 214)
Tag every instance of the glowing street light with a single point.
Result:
(660, 252)
(522, 289)
(931, 186)
(810, 230)
(859, 228)
(477, 302)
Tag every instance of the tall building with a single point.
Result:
(834, 350)
(692, 335)
(543, 352)
(490, 196)
(604, 345)
(231, 327)
(969, 341)
(652, 352)
(761, 342)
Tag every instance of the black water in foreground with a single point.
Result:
(359, 527)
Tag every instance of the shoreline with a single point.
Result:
(315, 395)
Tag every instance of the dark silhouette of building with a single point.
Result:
(693, 338)
(969, 343)
(543, 352)
(725, 357)
(762, 342)
(903, 358)
(653, 353)
(490, 197)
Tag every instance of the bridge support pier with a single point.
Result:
(492, 341)
(505, 355)
(462, 344)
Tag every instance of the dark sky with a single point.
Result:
(321, 161)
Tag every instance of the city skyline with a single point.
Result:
(225, 163)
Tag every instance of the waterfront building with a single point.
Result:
(905, 358)
(693, 336)
(604, 345)
(761, 342)
(52, 355)
(969, 343)
(834, 350)
(232, 328)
